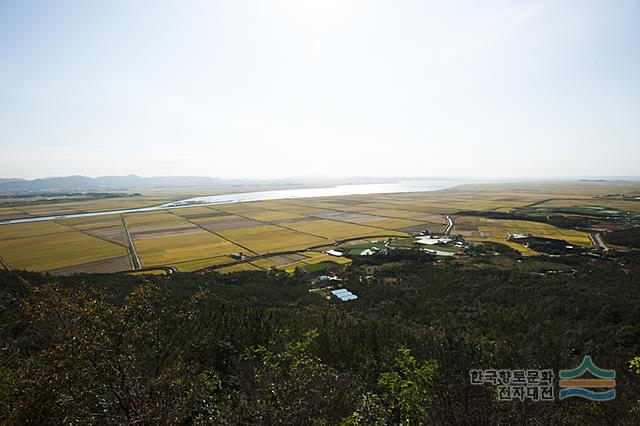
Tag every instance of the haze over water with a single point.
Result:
(338, 190)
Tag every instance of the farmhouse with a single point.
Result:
(329, 277)
(433, 240)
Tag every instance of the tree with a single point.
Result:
(406, 388)
(88, 360)
(289, 385)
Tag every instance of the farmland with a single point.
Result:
(170, 249)
(482, 229)
(287, 233)
(70, 250)
(270, 238)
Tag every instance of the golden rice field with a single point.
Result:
(149, 272)
(57, 250)
(246, 266)
(298, 209)
(340, 230)
(222, 220)
(93, 222)
(149, 218)
(199, 237)
(392, 212)
(239, 207)
(271, 215)
(390, 223)
(268, 239)
(314, 259)
(481, 229)
(34, 229)
(10, 213)
(195, 265)
(174, 249)
(277, 261)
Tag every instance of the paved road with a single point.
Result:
(132, 249)
(596, 238)
(168, 269)
(449, 224)
(4, 264)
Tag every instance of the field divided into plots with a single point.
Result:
(61, 248)
(480, 229)
(277, 233)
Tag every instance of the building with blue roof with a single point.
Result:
(343, 295)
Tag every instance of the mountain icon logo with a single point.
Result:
(599, 387)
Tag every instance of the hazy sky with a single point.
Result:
(320, 88)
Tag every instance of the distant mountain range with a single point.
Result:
(73, 183)
(84, 183)
(3, 180)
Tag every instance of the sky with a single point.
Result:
(320, 88)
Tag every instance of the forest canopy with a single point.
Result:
(260, 348)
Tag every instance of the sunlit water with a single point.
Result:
(381, 188)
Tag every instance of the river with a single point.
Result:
(380, 188)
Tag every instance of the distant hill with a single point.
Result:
(84, 183)
(70, 183)
(4, 180)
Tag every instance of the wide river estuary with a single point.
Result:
(379, 188)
